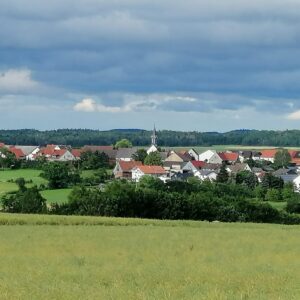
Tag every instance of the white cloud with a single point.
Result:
(294, 116)
(133, 102)
(16, 81)
(90, 105)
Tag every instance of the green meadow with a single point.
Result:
(58, 257)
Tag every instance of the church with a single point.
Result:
(153, 147)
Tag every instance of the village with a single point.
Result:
(173, 164)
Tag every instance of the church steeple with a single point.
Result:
(154, 137)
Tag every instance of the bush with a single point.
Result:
(293, 205)
(273, 195)
(25, 201)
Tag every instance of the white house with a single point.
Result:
(155, 171)
(151, 149)
(206, 175)
(194, 154)
(210, 156)
(296, 183)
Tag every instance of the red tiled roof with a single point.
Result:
(127, 166)
(228, 156)
(59, 152)
(293, 153)
(270, 153)
(2, 145)
(198, 163)
(76, 152)
(152, 169)
(17, 152)
(296, 161)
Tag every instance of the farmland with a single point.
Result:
(146, 259)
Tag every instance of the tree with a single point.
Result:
(246, 178)
(26, 200)
(293, 205)
(7, 159)
(153, 159)
(60, 175)
(93, 160)
(270, 181)
(223, 176)
(21, 183)
(151, 183)
(273, 195)
(124, 143)
(282, 158)
(140, 155)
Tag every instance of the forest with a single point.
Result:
(138, 137)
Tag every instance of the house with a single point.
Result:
(286, 174)
(238, 167)
(123, 169)
(256, 155)
(245, 155)
(29, 151)
(210, 156)
(229, 157)
(206, 175)
(212, 167)
(56, 153)
(62, 155)
(194, 154)
(268, 155)
(76, 153)
(173, 166)
(296, 182)
(180, 176)
(295, 156)
(178, 157)
(154, 171)
(17, 152)
(193, 166)
(125, 154)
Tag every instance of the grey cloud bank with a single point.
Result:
(216, 65)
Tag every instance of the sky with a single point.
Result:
(205, 65)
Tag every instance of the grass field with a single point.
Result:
(56, 196)
(27, 174)
(146, 259)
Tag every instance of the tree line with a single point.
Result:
(151, 198)
(167, 138)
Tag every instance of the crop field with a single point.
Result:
(57, 257)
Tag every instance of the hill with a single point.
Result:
(166, 138)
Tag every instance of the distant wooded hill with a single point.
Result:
(80, 137)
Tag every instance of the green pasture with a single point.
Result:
(56, 196)
(27, 174)
(110, 258)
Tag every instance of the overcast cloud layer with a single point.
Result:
(185, 65)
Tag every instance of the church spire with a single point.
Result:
(154, 137)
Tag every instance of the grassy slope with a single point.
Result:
(155, 260)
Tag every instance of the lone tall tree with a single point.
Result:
(282, 158)
(223, 176)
